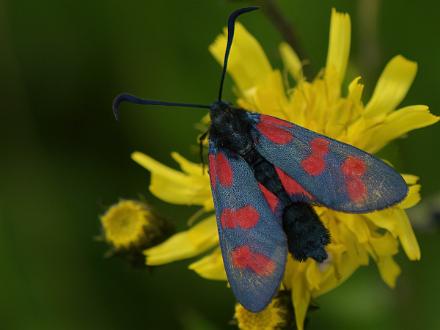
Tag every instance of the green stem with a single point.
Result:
(285, 28)
(274, 13)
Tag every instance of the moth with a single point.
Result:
(266, 175)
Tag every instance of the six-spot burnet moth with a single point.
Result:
(266, 175)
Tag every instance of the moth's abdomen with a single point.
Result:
(266, 175)
(306, 235)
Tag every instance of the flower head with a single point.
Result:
(130, 226)
(274, 316)
(322, 106)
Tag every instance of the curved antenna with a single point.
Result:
(124, 97)
(231, 29)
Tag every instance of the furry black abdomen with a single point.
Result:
(306, 235)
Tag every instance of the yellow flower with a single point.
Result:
(319, 105)
(274, 316)
(130, 225)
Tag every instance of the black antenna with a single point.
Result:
(231, 29)
(124, 97)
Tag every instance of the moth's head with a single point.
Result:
(218, 106)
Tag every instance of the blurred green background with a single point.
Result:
(64, 159)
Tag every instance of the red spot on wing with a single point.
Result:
(274, 134)
(313, 165)
(262, 265)
(353, 169)
(243, 257)
(223, 170)
(356, 189)
(212, 171)
(290, 185)
(270, 197)
(319, 146)
(353, 166)
(269, 120)
(246, 217)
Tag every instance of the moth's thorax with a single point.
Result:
(230, 127)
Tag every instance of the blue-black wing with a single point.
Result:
(330, 173)
(252, 239)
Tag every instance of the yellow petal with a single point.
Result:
(339, 43)
(248, 64)
(392, 86)
(400, 122)
(357, 226)
(385, 245)
(291, 61)
(173, 186)
(384, 248)
(355, 90)
(186, 244)
(270, 98)
(396, 221)
(410, 178)
(290, 271)
(301, 300)
(329, 282)
(315, 274)
(412, 198)
(389, 270)
(343, 263)
(187, 166)
(339, 113)
(354, 252)
(210, 267)
(407, 237)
